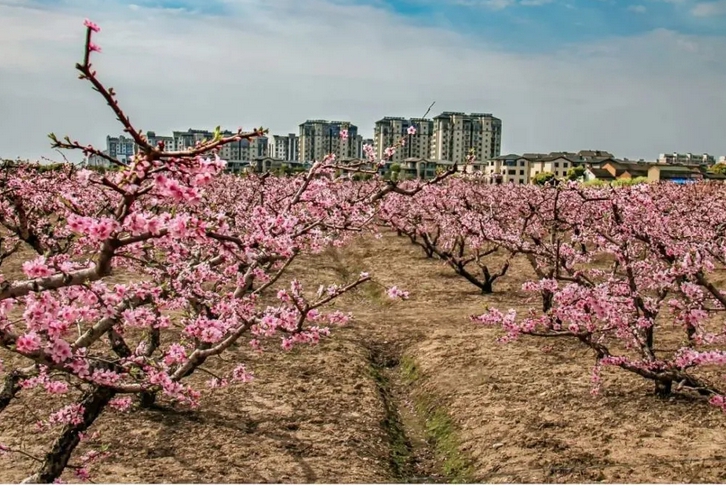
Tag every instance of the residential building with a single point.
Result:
(97, 161)
(687, 159)
(245, 149)
(154, 140)
(189, 138)
(242, 150)
(626, 170)
(319, 138)
(674, 173)
(510, 168)
(421, 168)
(285, 148)
(722, 160)
(366, 142)
(455, 134)
(121, 148)
(390, 130)
(595, 173)
(513, 168)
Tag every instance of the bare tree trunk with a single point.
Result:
(663, 388)
(56, 459)
(547, 300)
(11, 385)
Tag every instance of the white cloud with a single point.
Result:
(279, 63)
(638, 9)
(708, 9)
(535, 3)
(490, 4)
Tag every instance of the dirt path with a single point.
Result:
(410, 392)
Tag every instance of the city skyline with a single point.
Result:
(635, 78)
(458, 128)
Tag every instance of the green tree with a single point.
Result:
(575, 173)
(543, 178)
(719, 168)
(395, 171)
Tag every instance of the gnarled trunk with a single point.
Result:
(56, 459)
(11, 385)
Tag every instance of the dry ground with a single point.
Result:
(520, 412)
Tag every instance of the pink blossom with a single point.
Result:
(394, 292)
(82, 474)
(60, 351)
(241, 374)
(28, 343)
(70, 414)
(56, 387)
(94, 27)
(122, 404)
(37, 268)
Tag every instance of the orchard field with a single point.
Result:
(164, 322)
(521, 412)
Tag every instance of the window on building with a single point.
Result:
(557, 165)
(564, 165)
(511, 180)
(521, 181)
(512, 172)
(521, 172)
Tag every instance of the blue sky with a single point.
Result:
(635, 77)
(547, 24)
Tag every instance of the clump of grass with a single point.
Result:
(409, 370)
(440, 428)
(400, 449)
(441, 431)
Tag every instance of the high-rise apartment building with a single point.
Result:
(154, 140)
(121, 148)
(390, 130)
(366, 142)
(242, 150)
(687, 159)
(285, 148)
(245, 149)
(319, 138)
(456, 133)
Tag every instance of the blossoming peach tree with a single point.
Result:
(143, 274)
(633, 273)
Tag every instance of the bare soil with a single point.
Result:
(410, 391)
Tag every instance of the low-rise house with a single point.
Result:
(596, 173)
(626, 170)
(510, 168)
(418, 168)
(237, 167)
(716, 177)
(674, 173)
(560, 163)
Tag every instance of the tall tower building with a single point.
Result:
(390, 130)
(456, 133)
(284, 147)
(319, 138)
